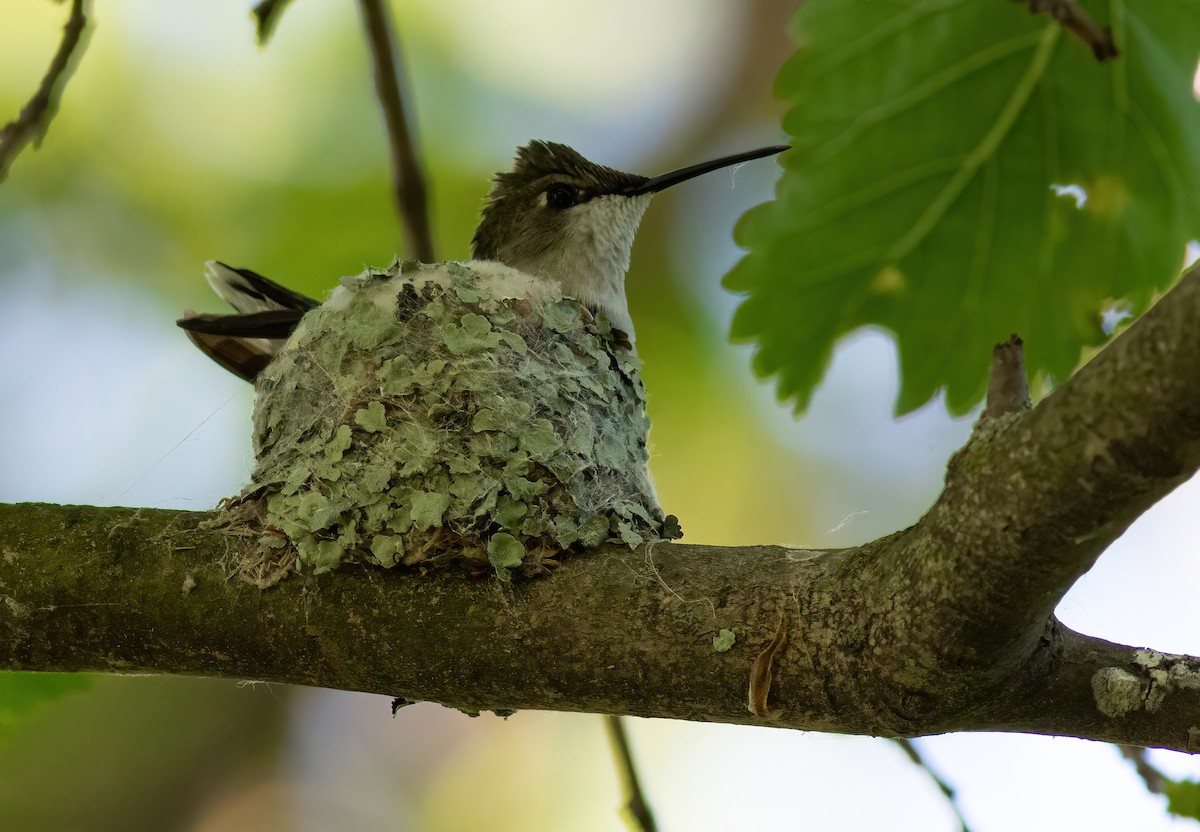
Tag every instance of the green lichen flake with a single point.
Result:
(505, 551)
(723, 640)
(450, 413)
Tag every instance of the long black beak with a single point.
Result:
(666, 180)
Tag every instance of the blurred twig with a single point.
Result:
(31, 123)
(638, 808)
(946, 788)
(1155, 780)
(266, 15)
(1078, 22)
(408, 183)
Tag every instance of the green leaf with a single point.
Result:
(23, 693)
(1183, 798)
(918, 197)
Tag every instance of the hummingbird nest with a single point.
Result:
(447, 412)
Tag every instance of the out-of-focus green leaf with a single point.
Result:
(23, 693)
(1183, 798)
(928, 135)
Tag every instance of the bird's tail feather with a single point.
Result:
(267, 313)
(248, 291)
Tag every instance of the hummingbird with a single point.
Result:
(555, 215)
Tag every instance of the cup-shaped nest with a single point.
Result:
(448, 413)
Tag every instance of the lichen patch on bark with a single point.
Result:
(1117, 692)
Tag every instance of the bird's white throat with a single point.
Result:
(591, 260)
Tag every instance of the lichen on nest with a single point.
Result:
(445, 413)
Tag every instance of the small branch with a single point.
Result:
(946, 789)
(1155, 780)
(1008, 389)
(266, 16)
(636, 805)
(34, 119)
(1079, 23)
(408, 183)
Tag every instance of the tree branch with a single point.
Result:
(33, 121)
(408, 182)
(1155, 780)
(636, 806)
(1008, 389)
(1078, 22)
(1088, 687)
(266, 15)
(945, 788)
(946, 626)
(139, 590)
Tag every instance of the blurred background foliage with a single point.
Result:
(179, 140)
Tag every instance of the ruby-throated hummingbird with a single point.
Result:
(555, 215)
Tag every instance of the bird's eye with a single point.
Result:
(561, 196)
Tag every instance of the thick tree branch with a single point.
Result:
(946, 626)
(139, 590)
(34, 119)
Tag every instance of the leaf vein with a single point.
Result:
(873, 37)
(949, 76)
(879, 189)
(985, 149)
